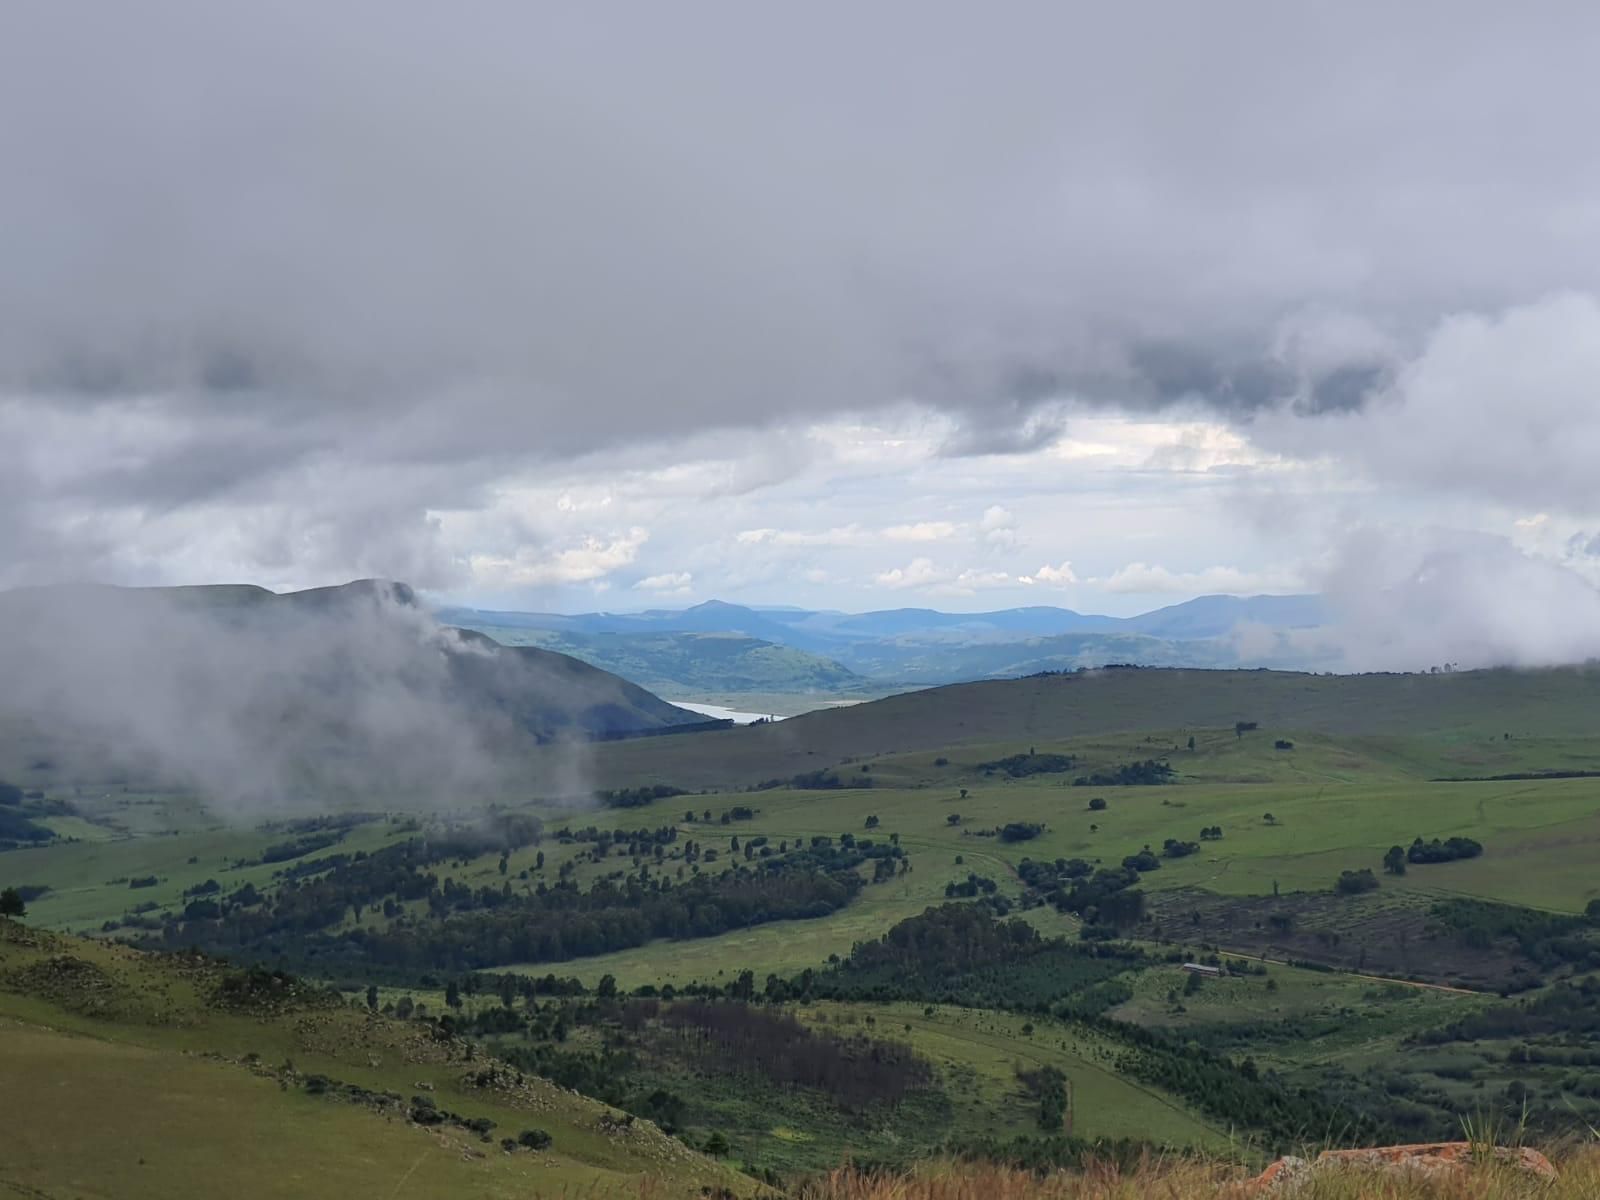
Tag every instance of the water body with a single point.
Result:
(719, 713)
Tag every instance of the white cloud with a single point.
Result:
(675, 583)
(996, 516)
(1146, 578)
(841, 535)
(998, 529)
(924, 575)
(922, 531)
(1498, 407)
(1062, 576)
(589, 561)
(919, 572)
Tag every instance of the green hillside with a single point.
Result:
(694, 665)
(1461, 707)
(158, 1077)
(951, 921)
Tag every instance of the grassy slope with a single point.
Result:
(1469, 706)
(145, 1067)
(694, 663)
(980, 1052)
(1541, 839)
(1341, 796)
(80, 873)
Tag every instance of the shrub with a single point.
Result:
(1020, 831)
(1354, 882)
(1449, 850)
(534, 1139)
(1145, 860)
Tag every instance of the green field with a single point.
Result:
(1337, 771)
(983, 1050)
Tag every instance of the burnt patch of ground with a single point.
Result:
(1374, 933)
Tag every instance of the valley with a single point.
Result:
(989, 889)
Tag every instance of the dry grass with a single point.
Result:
(1189, 1180)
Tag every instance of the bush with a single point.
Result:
(1449, 850)
(1145, 860)
(1150, 771)
(534, 1139)
(1020, 831)
(1355, 882)
(1098, 804)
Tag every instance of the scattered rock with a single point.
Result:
(1427, 1159)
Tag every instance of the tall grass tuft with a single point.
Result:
(1484, 1178)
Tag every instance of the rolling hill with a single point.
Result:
(694, 664)
(1549, 703)
(905, 647)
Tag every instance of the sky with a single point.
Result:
(619, 305)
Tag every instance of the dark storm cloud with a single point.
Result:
(412, 246)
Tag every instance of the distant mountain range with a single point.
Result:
(716, 647)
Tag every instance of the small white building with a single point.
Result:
(1202, 969)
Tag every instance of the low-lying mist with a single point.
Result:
(262, 703)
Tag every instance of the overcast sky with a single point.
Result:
(609, 305)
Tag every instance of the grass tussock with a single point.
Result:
(1190, 1180)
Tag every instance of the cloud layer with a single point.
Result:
(924, 298)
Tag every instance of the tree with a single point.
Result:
(11, 903)
(1351, 883)
(1269, 818)
(1191, 741)
(372, 997)
(452, 994)
(716, 1144)
(872, 821)
(1098, 804)
(606, 989)
(953, 819)
(1394, 861)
